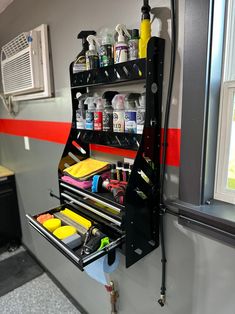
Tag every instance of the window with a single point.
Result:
(225, 172)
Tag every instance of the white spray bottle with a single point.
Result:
(92, 57)
(118, 113)
(121, 46)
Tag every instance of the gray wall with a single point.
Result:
(200, 273)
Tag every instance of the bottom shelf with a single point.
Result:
(74, 249)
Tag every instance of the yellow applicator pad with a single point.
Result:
(79, 219)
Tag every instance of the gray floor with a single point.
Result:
(40, 295)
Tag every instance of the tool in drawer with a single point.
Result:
(80, 229)
(95, 240)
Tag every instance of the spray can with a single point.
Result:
(98, 114)
(118, 113)
(108, 111)
(145, 29)
(140, 117)
(133, 45)
(121, 46)
(92, 59)
(79, 64)
(106, 48)
(130, 113)
(125, 171)
(90, 102)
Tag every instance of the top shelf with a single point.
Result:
(112, 74)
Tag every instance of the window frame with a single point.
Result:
(223, 147)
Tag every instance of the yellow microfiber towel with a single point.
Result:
(86, 168)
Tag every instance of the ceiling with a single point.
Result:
(4, 4)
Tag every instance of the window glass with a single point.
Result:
(231, 164)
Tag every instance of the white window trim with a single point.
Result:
(224, 135)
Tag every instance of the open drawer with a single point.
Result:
(78, 255)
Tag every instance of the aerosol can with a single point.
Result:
(90, 102)
(121, 46)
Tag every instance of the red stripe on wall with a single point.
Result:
(50, 131)
(57, 132)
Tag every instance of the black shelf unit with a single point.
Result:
(133, 226)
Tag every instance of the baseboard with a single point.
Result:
(57, 283)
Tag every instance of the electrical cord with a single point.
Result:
(162, 299)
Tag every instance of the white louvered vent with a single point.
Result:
(25, 65)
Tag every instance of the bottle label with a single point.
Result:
(107, 121)
(89, 120)
(130, 122)
(92, 62)
(133, 49)
(80, 123)
(98, 119)
(79, 65)
(118, 121)
(106, 55)
(121, 53)
(140, 118)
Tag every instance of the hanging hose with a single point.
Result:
(162, 299)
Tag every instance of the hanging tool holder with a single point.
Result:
(134, 225)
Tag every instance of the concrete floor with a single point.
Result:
(39, 295)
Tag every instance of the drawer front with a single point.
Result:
(74, 255)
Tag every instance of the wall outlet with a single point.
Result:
(26, 143)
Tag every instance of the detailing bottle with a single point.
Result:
(130, 113)
(79, 64)
(133, 45)
(90, 102)
(80, 112)
(108, 111)
(145, 29)
(92, 58)
(119, 170)
(140, 116)
(106, 48)
(121, 46)
(125, 171)
(118, 113)
(113, 172)
(98, 114)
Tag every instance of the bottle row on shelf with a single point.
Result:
(113, 112)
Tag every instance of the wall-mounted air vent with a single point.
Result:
(25, 65)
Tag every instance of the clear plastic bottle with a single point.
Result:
(108, 111)
(133, 45)
(118, 113)
(80, 114)
(92, 58)
(106, 48)
(130, 116)
(140, 117)
(90, 102)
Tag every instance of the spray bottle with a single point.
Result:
(140, 117)
(130, 112)
(92, 59)
(81, 112)
(121, 46)
(118, 113)
(145, 29)
(133, 45)
(106, 48)
(108, 111)
(79, 64)
(90, 102)
(98, 114)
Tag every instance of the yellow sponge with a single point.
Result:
(52, 224)
(64, 232)
(79, 219)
